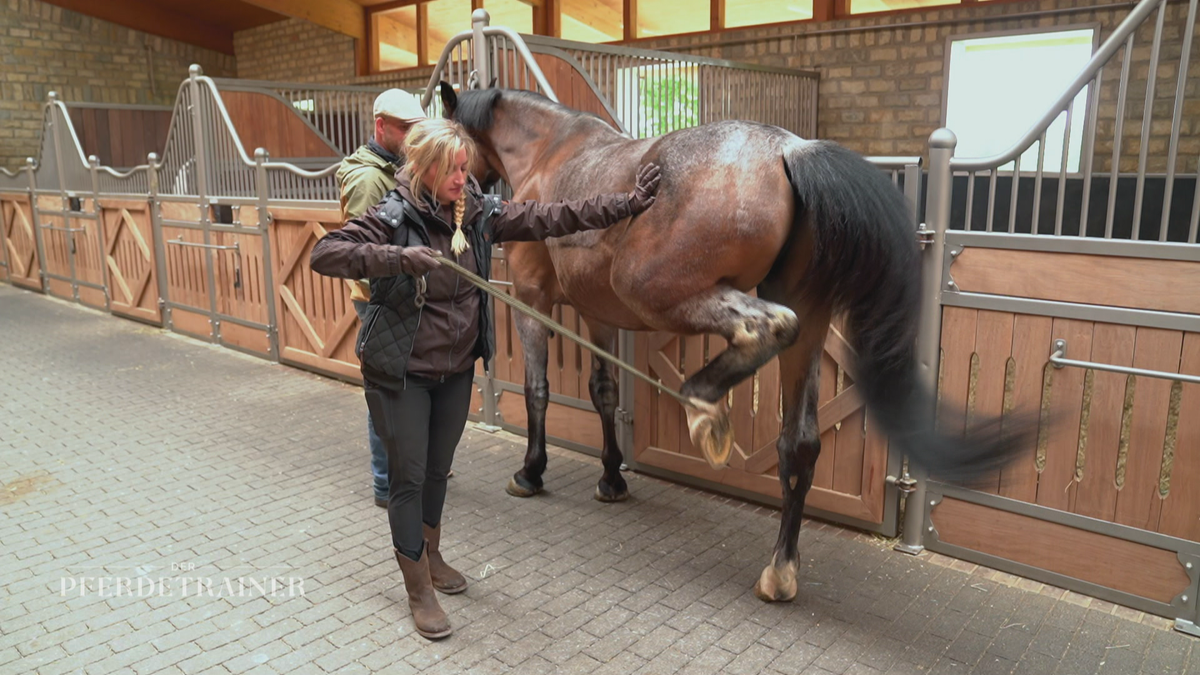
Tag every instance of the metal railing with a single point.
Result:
(341, 116)
(1122, 200)
(654, 92)
(647, 93)
(135, 181)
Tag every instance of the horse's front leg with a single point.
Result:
(535, 339)
(605, 396)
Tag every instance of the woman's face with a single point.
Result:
(451, 188)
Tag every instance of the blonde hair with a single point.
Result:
(434, 143)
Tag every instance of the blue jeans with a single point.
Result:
(379, 463)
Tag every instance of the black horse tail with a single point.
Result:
(867, 260)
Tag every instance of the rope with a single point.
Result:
(560, 329)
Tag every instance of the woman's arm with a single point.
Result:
(362, 249)
(533, 221)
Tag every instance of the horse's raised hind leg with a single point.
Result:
(603, 388)
(535, 344)
(798, 446)
(756, 329)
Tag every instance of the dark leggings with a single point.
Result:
(420, 427)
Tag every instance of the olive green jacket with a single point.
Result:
(365, 178)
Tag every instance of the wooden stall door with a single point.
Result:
(129, 254)
(317, 322)
(187, 270)
(20, 243)
(56, 242)
(89, 256)
(850, 473)
(1124, 450)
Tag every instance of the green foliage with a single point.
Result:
(668, 103)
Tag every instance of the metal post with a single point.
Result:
(491, 415)
(937, 216)
(37, 223)
(93, 168)
(205, 214)
(64, 197)
(480, 19)
(160, 252)
(625, 398)
(263, 190)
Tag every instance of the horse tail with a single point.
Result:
(866, 259)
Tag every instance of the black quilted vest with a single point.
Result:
(385, 340)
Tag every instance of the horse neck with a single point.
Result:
(523, 136)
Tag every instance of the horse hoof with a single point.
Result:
(516, 489)
(610, 497)
(711, 431)
(776, 585)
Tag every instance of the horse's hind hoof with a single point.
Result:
(777, 585)
(610, 496)
(517, 488)
(710, 430)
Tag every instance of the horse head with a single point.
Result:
(487, 167)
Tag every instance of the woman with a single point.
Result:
(425, 326)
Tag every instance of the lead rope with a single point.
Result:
(559, 328)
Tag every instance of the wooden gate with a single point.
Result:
(317, 322)
(850, 473)
(216, 290)
(129, 253)
(1108, 488)
(20, 241)
(70, 239)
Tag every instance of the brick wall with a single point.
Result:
(45, 48)
(294, 51)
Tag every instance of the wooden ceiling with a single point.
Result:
(212, 23)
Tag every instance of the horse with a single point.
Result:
(742, 206)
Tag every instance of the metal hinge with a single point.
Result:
(924, 236)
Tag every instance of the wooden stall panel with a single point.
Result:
(1119, 447)
(853, 463)
(264, 121)
(1166, 285)
(121, 137)
(20, 242)
(129, 255)
(241, 288)
(317, 323)
(1180, 515)
(56, 243)
(1080, 554)
(187, 271)
(89, 257)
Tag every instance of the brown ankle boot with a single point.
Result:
(445, 578)
(427, 614)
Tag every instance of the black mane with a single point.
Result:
(475, 107)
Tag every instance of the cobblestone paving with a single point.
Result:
(125, 451)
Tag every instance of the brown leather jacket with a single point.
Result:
(447, 332)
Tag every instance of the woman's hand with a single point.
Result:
(643, 194)
(418, 260)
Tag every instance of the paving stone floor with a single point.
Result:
(130, 453)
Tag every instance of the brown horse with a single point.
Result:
(812, 226)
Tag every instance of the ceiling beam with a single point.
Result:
(147, 16)
(341, 16)
(395, 4)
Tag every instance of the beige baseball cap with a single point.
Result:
(399, 104)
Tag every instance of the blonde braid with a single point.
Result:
(459, 243)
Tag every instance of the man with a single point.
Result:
(365, 178)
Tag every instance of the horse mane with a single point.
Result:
(476, 107)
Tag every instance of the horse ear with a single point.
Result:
(449, 99)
